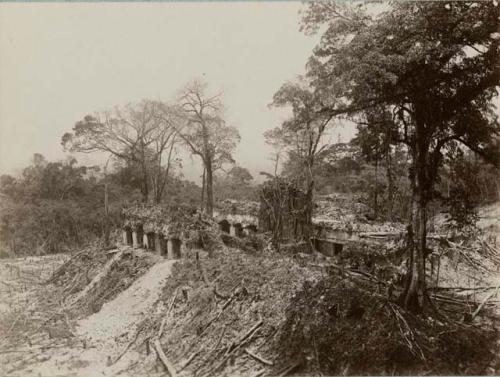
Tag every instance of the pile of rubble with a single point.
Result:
(170, 221)
(346, 213)
(238, 207)
(77, 272)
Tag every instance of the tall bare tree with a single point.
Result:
(205, 132)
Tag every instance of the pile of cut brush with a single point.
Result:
(127, 268)
(77, 272)
(344, 325)
(268, 313)
(222, 315)
(95, 275)
(385, 269)
(476, 253)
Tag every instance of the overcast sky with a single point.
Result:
(59, 62)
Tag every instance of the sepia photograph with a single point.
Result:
(255, 188)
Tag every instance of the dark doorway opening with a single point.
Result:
(251, 229)
(151, 241)
(163, 246)
(224, 226)
(238, 230)
(176, 248)
(140, 235)
(128, 233)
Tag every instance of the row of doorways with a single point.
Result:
(170, 247)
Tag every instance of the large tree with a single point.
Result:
(134, 134)
(434, 66)
(301, 134)
(205, 133)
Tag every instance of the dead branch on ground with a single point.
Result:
(259, 358)
(166, 362)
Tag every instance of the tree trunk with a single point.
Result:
(145, 189)
(203, 184)
(145, 177)
(414, 295)
(307, 231)
(390, 186)
(163, 178)
(210, 192)
(375, 196)
(107, 228)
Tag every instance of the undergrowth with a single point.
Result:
(313, 321)
(338, 327)
(211, 314)
(76, 273)
(121, 276)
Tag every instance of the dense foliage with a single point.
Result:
(340, 328)
(54, 207)
(420, 76)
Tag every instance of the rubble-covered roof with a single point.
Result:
(345, 212)
(244, 220)
(352, 225)
(238, 207)
(172, 221)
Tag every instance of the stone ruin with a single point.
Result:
(237, 225)
(153, 228)
(169, 246)
(169, 231)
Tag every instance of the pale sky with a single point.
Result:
(59, 62)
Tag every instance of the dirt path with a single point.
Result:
(86, 348)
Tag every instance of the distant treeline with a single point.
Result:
(53, 207)
(381, 182)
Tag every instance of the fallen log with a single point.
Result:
(188, 361)
(461, 288)
(226, 304)
(483, 303)
(167, 315)
(259, 373)
(163, 358)
(259, 358)
(236, 345)
(128, 346)
(289, 368)
(251, 331)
